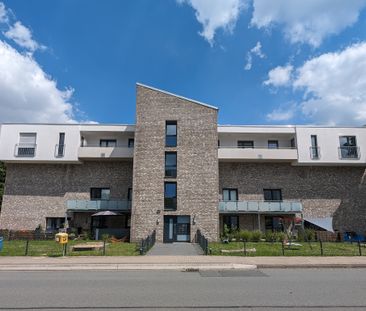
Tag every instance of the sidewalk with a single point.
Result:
(174, 263)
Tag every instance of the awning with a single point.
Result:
(106, 213)
(324, 223)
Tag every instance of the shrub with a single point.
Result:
(105, 237)
(256, 236)
(281, 236)
(270, 236)
(245, 235)
(310, 234)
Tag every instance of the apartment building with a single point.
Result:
(176, 170)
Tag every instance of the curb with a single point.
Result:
(312, 266)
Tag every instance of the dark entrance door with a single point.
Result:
(177, 229)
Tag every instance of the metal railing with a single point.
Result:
(25, 150)
(314, 153)
(59, 151)
(260, 206)
(99, 146)
(349, 152)
(147, 243)
(202, 242)
(94, 205)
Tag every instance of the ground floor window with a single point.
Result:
(232, 222)
(54, 223)
(274, 223)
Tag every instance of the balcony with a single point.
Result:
(260, 207)
(25, 150)
(98, 205)
(97, 152)
(257, 153)
(349, 153)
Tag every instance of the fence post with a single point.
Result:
(321, 248)
(359, 247)
(245, 248)
(283, 248)
(26, 248)
(104, 248)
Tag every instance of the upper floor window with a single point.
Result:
(100, 193)
(272, 194)
(273, 144)
(170, 195)
(245, 144)
(171, 134)
(314, 149)
(108, 143)
(171, 164)
(60, 148)
(230, 194)
(131, 142)
(348, 147)
(27, 145)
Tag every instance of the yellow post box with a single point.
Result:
(62, 238)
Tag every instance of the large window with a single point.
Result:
(171, 164)
(348, 147)
(100, 194)
(232, 222)
(230, 194)
(273, 144)
(27, 145)
(171, 134)
(54, 223)
(170, 195)
(272, 194)
(245, 144)
(108, 143)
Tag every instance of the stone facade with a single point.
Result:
(36, 191)
(197, 164)
(325, 191)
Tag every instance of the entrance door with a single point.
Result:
(176, 229)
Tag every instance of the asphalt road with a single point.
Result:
(268, 289)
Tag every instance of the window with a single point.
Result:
(232, 222)
(170, 195)
(314, 150)
(348, 147)
(272, 194)
(230, 194)
(54, 223)
(273, 144)
(245, 144)
(292, 143)
(60, 148)
(27, 145)
(131, 142)
(108, 143)
(171, 134)
(171, 164)
(100, 194)
(129, 194)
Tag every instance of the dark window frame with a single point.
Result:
(227, 220)
(230, 189)
(108, 141)
(172, 170)
(272, 191)
(131, 143)
(245, 144)
(170, 203)
(129, 194)
(171, 140)
(314, 147)
(99, 198)
(61, 145)
(273, 144)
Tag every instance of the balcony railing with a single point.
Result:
(314, 153)
(25, 150)
(96, 151)
(349, 152)
(98, 205)
(59, 151)
(260, 207)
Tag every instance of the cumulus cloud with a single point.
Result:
(308, 21)
(3, 13)
(282, 113)
(22, 36)
(215, 14)
(257, 51)
(279, 76)
(27, 93)
(333, 86)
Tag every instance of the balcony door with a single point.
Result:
(176, 229)
(229, 194)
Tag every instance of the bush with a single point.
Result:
(105, 237)
(310, 234)
(281, 236)
(256, 236)
(245, 235)
(270, 236)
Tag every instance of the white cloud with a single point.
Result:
(3, 13)
(216, 14)
(282, 114)
(334, 87)
(27, 93)
(307, 21)
(22, 36)
(279, 76)
(257, 51)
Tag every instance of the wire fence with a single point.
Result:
(202, 242)
(147, 243)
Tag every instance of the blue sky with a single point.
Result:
(260, 62)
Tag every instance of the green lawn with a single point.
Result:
(53, 249)
(275, 249)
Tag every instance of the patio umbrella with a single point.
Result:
(106, 213)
